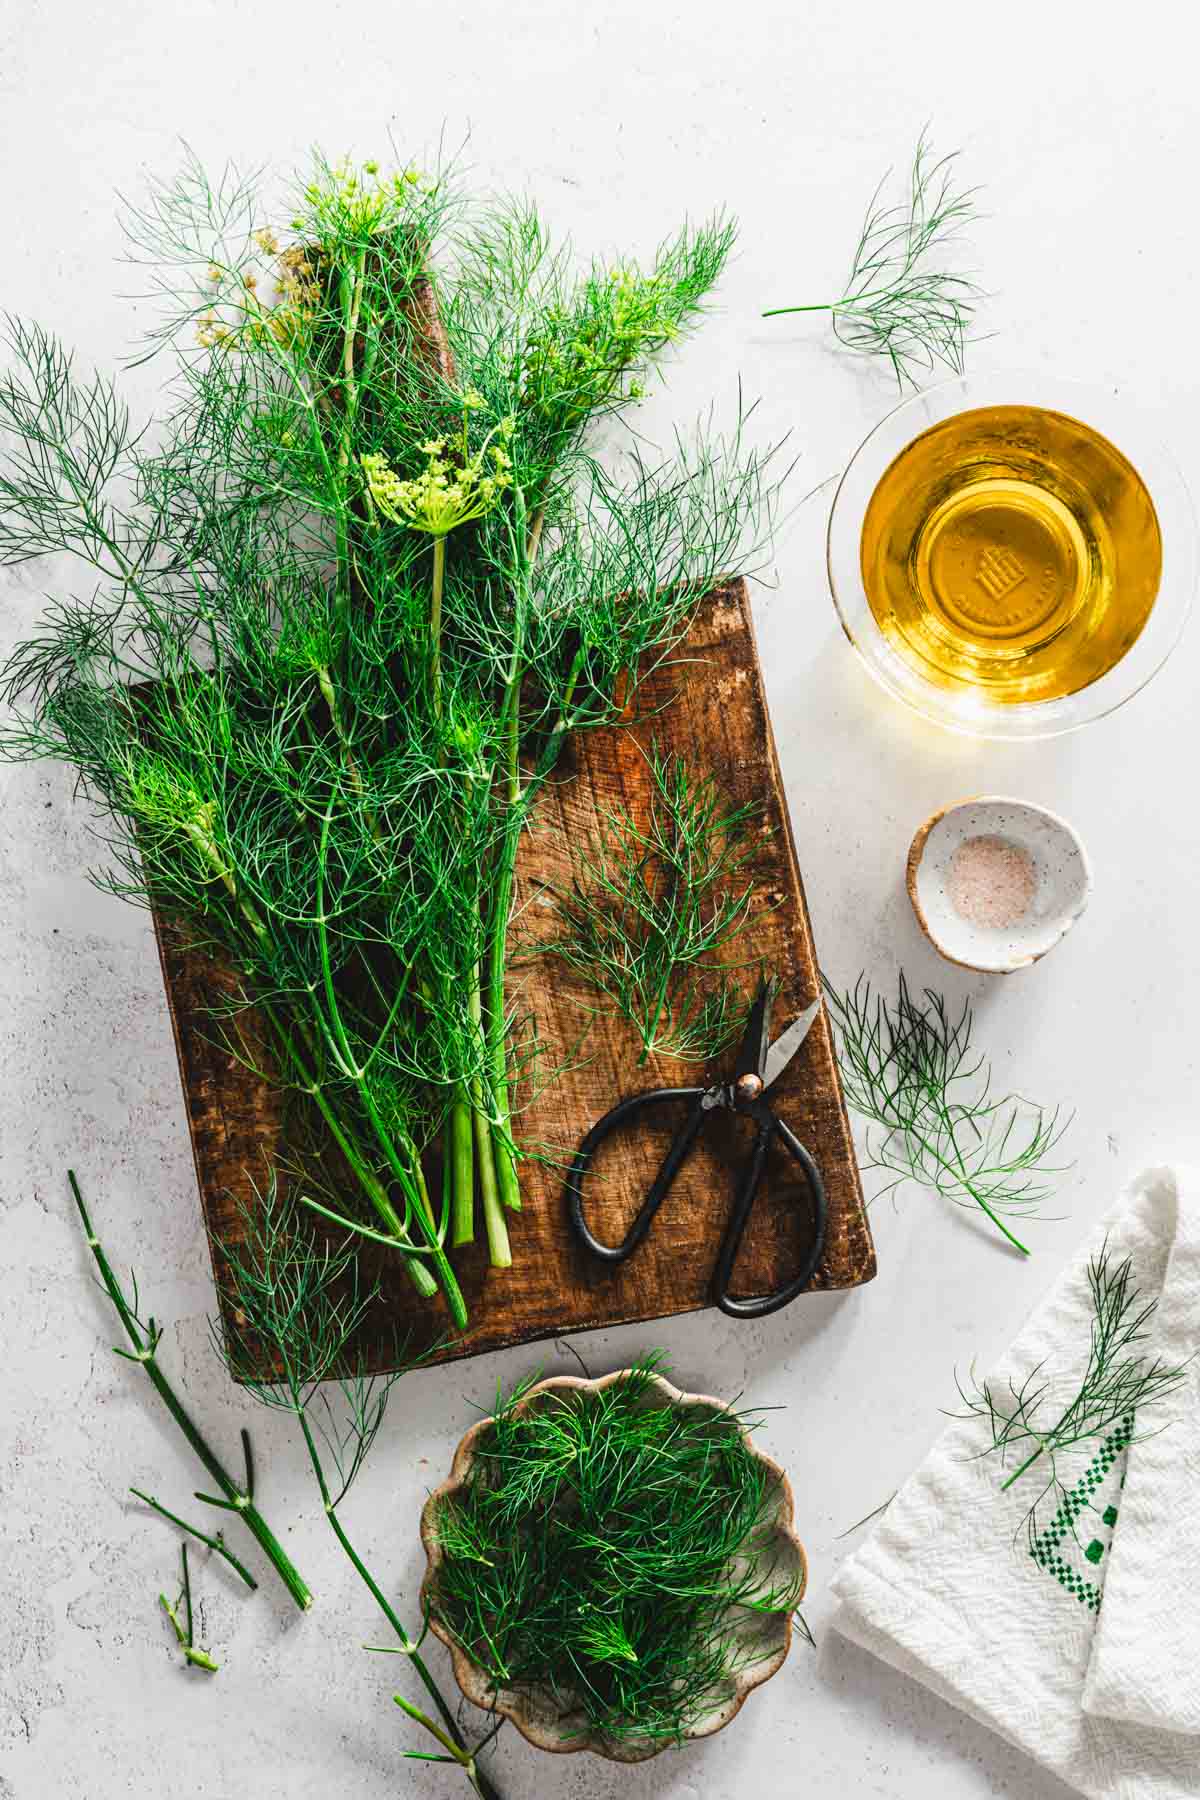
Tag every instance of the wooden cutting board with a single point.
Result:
(708, 704)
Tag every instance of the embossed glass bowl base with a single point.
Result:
(1011, 555)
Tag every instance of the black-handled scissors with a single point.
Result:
(758, 1065)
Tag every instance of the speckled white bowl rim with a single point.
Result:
(1061, 866)
(514, 1706)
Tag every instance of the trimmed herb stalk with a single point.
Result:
(145, 1339)
(217, 1543)
(184, 1627)
(499, 1251)
(306, 1305)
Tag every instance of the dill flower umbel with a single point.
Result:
(344, 202)
(443, 496)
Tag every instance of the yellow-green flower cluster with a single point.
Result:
(582, 360)
(444, 495)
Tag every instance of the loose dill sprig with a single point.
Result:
(605, 1551)
(651, 905)
(898, 301)
(1118, 1384)
(299, 1306)
(184, 1626)
(909, 1068)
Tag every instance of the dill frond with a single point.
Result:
(900, 301)
(909, 1068)
(1119, 1382)
(653, 903)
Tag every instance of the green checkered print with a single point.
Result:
(1058, 1547)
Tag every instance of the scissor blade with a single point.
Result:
(788, 1042)
(753, 1050)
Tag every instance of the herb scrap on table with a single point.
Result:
(1119, 1381)
(348, 603)
(652, 904)
(145, 1336)
(899, 301)
(302, 1304)
(909, 1068)
(179, 1613)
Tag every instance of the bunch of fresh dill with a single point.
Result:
(346, 603)
(606, 1553)
(650, 906)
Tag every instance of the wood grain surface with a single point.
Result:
(713, 711)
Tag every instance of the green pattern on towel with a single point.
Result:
(1054, 1548)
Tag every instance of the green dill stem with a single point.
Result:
(410, 1177)
(214, 1543)
(185, 1632)
(506, 1174)
(145, 1353)
(463, 1757)
(329, 695)
(421, 1278)
(961, 1173)
(1027, 1464)
(830, 306)
(774, 312)
(350, 287)
(435, 623)
(386, 1608)
(461, 1158)
(499, 1250)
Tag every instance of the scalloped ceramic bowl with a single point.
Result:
(764, 1638)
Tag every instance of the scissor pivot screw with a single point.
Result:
(747, 1088)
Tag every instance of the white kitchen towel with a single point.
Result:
(951, 1589)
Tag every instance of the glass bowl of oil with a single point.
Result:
(1013, 555)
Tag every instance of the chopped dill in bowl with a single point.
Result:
(616, 1557)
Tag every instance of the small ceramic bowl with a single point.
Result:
(764, 1638)
(997, 882)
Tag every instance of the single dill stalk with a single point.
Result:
(652, 905)
(145, 1341)
(214, 1543)
(184, 1628)
(898, 302)
(909, 1069)
(1120, 1380)
(507, 1184)
(435, 622)
(460, 1159)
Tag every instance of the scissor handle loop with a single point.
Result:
(681, 1143)
(760, 1305)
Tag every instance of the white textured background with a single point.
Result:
(1081, 121)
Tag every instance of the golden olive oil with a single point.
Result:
(1012, 550)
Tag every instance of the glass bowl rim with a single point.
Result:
(1133, 431)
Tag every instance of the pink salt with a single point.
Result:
(991, 881)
